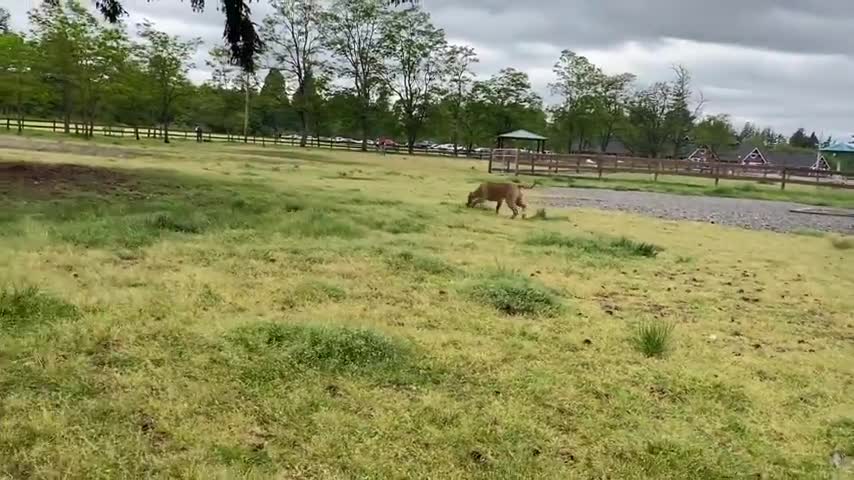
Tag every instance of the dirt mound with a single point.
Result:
(44, 179)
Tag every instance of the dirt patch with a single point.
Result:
(42, 180)
(61, 146)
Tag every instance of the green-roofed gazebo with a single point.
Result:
(839, 155)
(523, 135)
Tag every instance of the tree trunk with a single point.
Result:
(246, 112)
(165, 132)
(303, 129)
(136, 131)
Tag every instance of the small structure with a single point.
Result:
(753, 156)
(791, 159)
(840, 155)
(523, 135)
(703, 154)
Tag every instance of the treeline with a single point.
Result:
(355, 68)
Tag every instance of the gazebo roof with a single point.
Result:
(522, 135)
(840, 147)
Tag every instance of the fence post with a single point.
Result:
(263, 141)
(8, 123)
(599, 166)
(783, 183)
(717, 174)
(54, 126)
(533, 161)
(489, 169)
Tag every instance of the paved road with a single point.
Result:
(751, 214)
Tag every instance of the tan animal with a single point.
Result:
(500, 192)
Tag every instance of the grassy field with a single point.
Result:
(211, 311)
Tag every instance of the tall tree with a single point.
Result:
(131, 95)
(166, 61)
(414, 50)
(579, 85)
(227, 76)
(509, 99)
(292, 34)
(273, 103)
(17, 81)
(814, 141)
(647, 130)
(352, 32)
(716, 132)
(4, 21)
(458, 63)
(680, 118)
(615, 97)
(799, 139)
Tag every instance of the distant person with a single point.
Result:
(199, 134)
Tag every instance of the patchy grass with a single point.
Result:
(26, 308)
(514, 294)
(619, 247)
(653, 339)
(192, 322)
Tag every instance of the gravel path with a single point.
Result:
(751, 214)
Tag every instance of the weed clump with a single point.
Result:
(842, 243)
(618, 247)
(652, 338)
(419, 263)
(514, 294)
(316, 223)
(21, 309)
(540, 214)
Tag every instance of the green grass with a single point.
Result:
(26, 308)
(617, 247)
(513, 294)
(163, 315)
(653, 339)
(842, 243)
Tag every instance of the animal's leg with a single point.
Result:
(498, 206)
(521, 203)
(512, 206)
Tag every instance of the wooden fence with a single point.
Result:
(585, 165)
(190, 135)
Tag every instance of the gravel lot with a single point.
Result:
(751, 214)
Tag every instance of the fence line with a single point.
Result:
(582, 165)
(76, 128)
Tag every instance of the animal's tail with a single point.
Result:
(529, 188)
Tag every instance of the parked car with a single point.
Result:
(386, 142)
(423, 145)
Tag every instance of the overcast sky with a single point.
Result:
(781, 63)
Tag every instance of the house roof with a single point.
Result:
(614, 147)
(522, 135)
(840, 147)
(791, 159)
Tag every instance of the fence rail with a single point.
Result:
(583, 165)
(75, 128)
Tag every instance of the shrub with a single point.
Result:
(181, 223)
(515, 294)
(652, 338)
(28, 307)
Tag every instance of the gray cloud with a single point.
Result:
(782, 63)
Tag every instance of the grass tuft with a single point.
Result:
(22, 309)
(618, 247)
(323, 348)
(842, 243)
(316, 223)
(314, 291)
(416, 262)
(652, 338)
(514, 294)
(173, 222)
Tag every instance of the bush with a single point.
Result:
(652, 338)
(26, 308)
(515, 294)
(619, 247)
